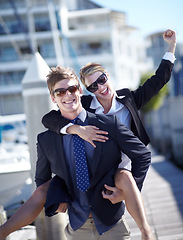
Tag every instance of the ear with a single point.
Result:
(53, 99)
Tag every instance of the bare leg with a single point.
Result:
(27, 213)
(134, 203)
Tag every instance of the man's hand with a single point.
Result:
(170, 37)
(62, 208)
(113, 194)
(88, 133)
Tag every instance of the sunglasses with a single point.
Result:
(60, 92)
(102, 79)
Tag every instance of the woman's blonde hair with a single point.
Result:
(89, 69)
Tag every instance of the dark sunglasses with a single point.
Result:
(59, 92)
(102, 79)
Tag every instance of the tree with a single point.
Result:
(157, 100)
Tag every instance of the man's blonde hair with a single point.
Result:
(57, 74)
(89, 69)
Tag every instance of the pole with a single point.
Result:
(37, 102)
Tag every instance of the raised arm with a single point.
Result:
(154, 84)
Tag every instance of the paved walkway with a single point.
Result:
(163, 199)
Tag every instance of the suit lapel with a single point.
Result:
(136, 126)
(93, 120)
(64, 173)
(124, 100)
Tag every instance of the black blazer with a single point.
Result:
(106, 158)
(133, 100)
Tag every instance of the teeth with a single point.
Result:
(104, 90)
(69, 102)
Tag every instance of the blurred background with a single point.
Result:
(124, 36)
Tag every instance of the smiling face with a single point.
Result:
(105, 91)
(68, 103)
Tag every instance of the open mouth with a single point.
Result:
(105, 91)
(69, 102)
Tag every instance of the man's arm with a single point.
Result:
(57, 190)
(135, 150)
(57, 197)
(43, 169)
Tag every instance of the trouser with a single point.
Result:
(89, 232)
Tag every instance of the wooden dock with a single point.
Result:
(163, 199)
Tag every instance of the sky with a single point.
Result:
(150, 16)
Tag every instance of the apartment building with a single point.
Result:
(70, 33)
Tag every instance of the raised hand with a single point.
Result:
(170, 37)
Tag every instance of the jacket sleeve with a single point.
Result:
(154, 84)
(138, 153)
(57, 193)
(43, 169)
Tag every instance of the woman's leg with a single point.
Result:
(27, 213)
(133, 201)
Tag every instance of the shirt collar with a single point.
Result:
(95, 104)
(82, 115)
(116, 106)
(119, 97)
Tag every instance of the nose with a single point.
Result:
(68, 93)
(100, 87)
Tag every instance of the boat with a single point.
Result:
(15, 180)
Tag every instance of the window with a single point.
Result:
(47, 50)
(42, 24)
(8, 54)
(26, 50)
(11, 78)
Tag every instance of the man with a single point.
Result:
(55, 155)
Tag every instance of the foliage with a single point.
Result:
(157, 100)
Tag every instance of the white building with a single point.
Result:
(69, 33)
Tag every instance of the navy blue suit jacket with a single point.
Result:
(106, 158)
